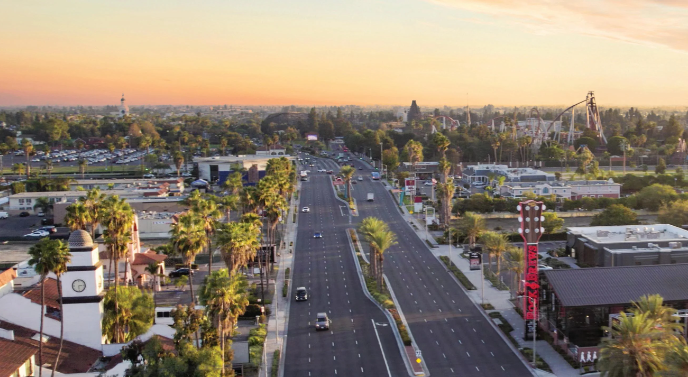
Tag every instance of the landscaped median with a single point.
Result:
(384, 298)
(459, 275)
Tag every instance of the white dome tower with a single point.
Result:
(123, 108)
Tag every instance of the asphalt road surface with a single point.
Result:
(454, 337)
(325, 266)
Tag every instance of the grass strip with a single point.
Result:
(459, 275)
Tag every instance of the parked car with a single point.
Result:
(4, 215)
(179, 272)
(24, 214)
(38, 233)
(40, 214)
(47, 221)
(49, 228)
(148, 176)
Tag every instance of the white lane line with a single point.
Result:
(381, 350)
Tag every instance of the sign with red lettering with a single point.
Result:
(531, 231)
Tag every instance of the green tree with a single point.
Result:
(189, 239)
(515, 263)
(178, 161)
(675, 213)
(83, 163)
(19, 168)
(380, 238)
(390, 158)
(496, 245)
(654, 196)
(49, 256)
(43, 203)
(209, 213)
(445, 192)
(27, 147)
(77, 216)
(552, 222)
(440, 142)
(239, 243)
(615, 214)
(347, 173)
(93, 204)
(472, 225)
(234, 183)
(128, 313)
(660, 168)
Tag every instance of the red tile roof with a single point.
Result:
(51, 295)
(75, 358)
(7, 276)
(147, 258)
(13, 355)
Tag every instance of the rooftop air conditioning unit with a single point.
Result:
(675, 245)
(634, 247)
(651, 245)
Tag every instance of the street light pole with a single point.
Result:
(380, 156)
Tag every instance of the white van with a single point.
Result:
(4, 215)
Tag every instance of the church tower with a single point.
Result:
(82, 290)
(123, 108)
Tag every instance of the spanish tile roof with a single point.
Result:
(75, 358)
(51, 295)
(618, 285)
(147, 258)
(7, 276)
(13, 355)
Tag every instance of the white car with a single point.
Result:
(428, 183)
(360, 178)
(37, 233)
(322, 171)
(305, 210)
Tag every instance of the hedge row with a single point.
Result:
(275, 364)
(402, 329)
(256, 339)
(459, 275)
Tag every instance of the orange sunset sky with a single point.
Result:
(366, 52)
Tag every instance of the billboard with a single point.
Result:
(312, 137)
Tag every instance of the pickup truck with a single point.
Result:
(371, 196)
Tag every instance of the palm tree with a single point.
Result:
(234, 183)
(207, 210)
(373, 230)
(653, 305)
(63, 256)
(83, 163)
(472, 225)
(19, 168)
(496, 245)
(225, 297)
(677, 359)
(444, 166)
(239, 242)
(228, 203)
(77, 216)
(93, 202)
(144, 143)
(381, 240)
(154, 269)
(248, 199)
(44, 204)
(347, 173)
(48, 256)
(189, 239)
(49, 167)
(178, 161)
(445, 192)
(516, 265)
(27, 147)
(634, 349)
(118, 218)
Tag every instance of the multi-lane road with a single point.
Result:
(354, 345)
(455, 338)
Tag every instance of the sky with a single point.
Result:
(361, 52)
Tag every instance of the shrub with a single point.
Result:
(405, 337)
(285, 287)
(253, 310)
(459, 275)
(275, 364)
(255, 355)
(287, 271)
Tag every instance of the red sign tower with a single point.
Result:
(531, 230)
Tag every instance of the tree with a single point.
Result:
(654, 196)
(44, 204)
(380, 238)
(472, 225)
(49, 256)
(445, 192)
(225, 297)
(93, 204)
(390, 158)
(515, 263)
(675, 213)
(209, 213)
(228, 203)
(660, 168)
(496, 244)
(440, 142)
(234, 183)
(27, 147)
(128, 313)
(347, 173)
(83, 163)
(189, 239)
(19, 168)
(414, 151)
(238, 243)
(552, 222)
(615, 214)
(443, 166)
(49, 167)
(77, 216)
(178, 161)
(223, 145)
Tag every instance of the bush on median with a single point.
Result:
(459, 275)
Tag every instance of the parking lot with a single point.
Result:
(16, 226)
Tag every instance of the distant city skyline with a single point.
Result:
(360, 52)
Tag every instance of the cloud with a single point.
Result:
(654, 22)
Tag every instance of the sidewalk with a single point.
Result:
(500, 300)
(277, 322)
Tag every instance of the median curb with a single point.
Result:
(392, 322)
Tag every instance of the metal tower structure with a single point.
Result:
(593, 117)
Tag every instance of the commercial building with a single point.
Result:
(175, 186)
(571, 190)
(217, 169)
(576, 303)
(26, 201)
(630, 245)
(275, 150)
(482, 173)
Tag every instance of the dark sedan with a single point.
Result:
(179, 272)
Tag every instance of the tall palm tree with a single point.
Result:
(234, 182)
(178, 161)
(225, 297)
(118, 218)
(93, 202)
(223, 145)
(347, 173)
(144, 143)
(248, 199)
(381, 240)
(472, 225)
(239, 243)
(444, 166)
(516, 265)
(44, 204)
(208, 212)
(77, 216)
(368, 227)
(634, 349)
(48, 256)
(496, 244)
(49, 167)
(83, 163)
(189, 239)
(445, 192)
(228, 203)
(19, 168)
(653, 305)
(27, 147)
(62, 257)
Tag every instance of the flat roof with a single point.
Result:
(631, 233)
(143, 181)
(75, 193)
(230, 159)
(602, 286)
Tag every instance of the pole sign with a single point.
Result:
(531, 230)
(474, 260)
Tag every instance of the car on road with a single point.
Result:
(322, 322)
(317, 235)
(179, 272)
(49, 228)
(478, 184)
(38, 233)
(360, 178)
(305, 209)
(186, 174)
(4, 215)
(40, 214)
(360, 168)
(329, 172)
(322, 171)
(311, 165)
(301, 294)
(24, 214)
